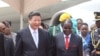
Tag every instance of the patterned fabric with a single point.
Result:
(64, 16)
(73, 25)
(86, 41)
(54, 29)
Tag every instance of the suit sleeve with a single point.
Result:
(11, 48)
(54, 50)
(50, 45)
(18, 48)
(80, 49)
(2, 51)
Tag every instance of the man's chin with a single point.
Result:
(35, 28)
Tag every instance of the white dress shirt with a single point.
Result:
(35, 36)
(69, 36)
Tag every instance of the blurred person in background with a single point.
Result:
(58, 28)
(92, 27)
(2, 49)
(85, 39)
(44, 26)
(95, 36)
(79, 24)
(7, 32)
(8, 42)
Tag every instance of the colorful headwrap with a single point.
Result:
(64, 16)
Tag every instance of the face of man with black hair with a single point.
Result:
(35, 22)
(34, 19)
(79, 23)
(67, 27)
(84, 30)
(98, 24)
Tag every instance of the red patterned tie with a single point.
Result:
(67, 44)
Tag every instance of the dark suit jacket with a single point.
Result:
(2, 52)
(75, 45)
(25, 45)
(9, 47)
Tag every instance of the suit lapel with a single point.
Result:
(40, 37)
(30, 38)
(60, 40)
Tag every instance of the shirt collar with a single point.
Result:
(32, 29)
(69, 36)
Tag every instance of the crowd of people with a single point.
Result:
(69, 38)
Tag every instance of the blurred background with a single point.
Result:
(17, 10)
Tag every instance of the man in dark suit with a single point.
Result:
(68, 43)
(2, 50)
(9, 47)
(33, 41)
(7, 43)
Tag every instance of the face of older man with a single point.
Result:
(35, 22)
(67, 27)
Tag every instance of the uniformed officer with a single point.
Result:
(95, 36)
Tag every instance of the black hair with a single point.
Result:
(33, 13)
(10, 23)
(6, 23)
(85, 24)
(45, 26)
(79, 19)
